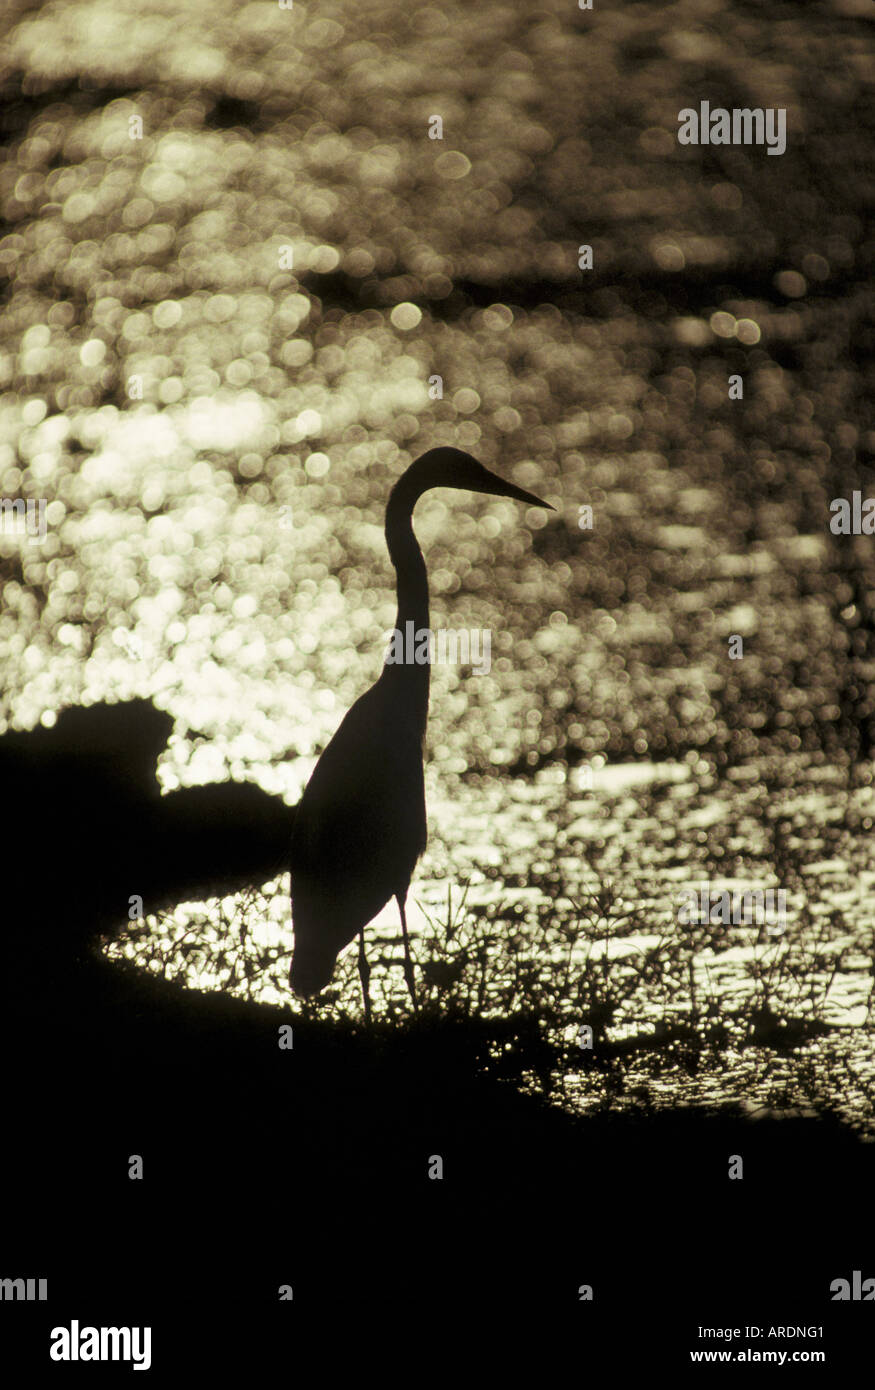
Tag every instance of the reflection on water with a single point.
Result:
(771, 1016)
(214, 428)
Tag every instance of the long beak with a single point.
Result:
(503, 489)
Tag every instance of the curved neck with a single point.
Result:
(412, 589)
(406, 556)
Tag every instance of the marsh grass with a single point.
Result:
(676, 1012)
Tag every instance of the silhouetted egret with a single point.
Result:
(360, 825)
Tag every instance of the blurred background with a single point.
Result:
(218, 336)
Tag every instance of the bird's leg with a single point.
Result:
(401, 899)
(364, 976)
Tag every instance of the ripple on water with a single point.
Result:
(813, 976)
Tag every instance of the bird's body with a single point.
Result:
(363, 812)
(361, 823)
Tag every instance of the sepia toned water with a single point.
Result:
(218, 351)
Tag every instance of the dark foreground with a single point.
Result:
(308, 1166)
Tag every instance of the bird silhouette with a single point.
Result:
(360, 825)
